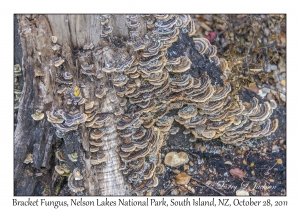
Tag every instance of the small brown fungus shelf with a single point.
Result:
(38, 115)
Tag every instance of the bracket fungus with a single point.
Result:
(62, 170)
(122, 98)
(38, 115)
(17, 86)
(73, 157)
(28, 159)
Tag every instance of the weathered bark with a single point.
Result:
(37, 137)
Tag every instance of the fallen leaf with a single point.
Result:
(228, 163)
(197, 145)
(203, 148)
(148, 193)
(249, 189)
(182, 188)
(253, 88)
(185, 167)
(282, 96)
(265, 187)
(191, 189)
(162, 192)
(77, 91)
(279, 161)
(182, 178)
(176, 171)
(208, 182)
(195, 183)
(205, 26)
(267, 31)
(174, 192)
(240, 16)
(244, 162)
(252, 164)
(281, 65)
(282, 37)
(211, 36)
(236, 172)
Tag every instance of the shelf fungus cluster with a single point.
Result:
(126, 98)
(17, 85)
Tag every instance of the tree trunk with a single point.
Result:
(40, 92)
